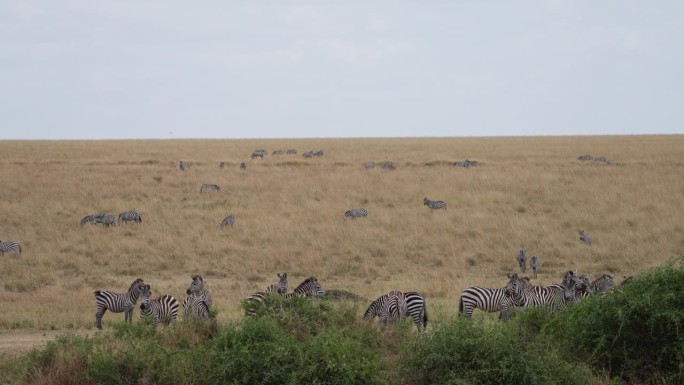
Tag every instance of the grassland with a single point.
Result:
(528, 192)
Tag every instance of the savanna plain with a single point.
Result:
(526, 193)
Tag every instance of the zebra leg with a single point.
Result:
(98, 317)
(128, 316)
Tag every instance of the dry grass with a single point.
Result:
(527, 193)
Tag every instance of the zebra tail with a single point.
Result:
(460, 306)
(97, 292)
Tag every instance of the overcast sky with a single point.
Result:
(95, 69)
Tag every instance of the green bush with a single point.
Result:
(635, 332)
(468, 351)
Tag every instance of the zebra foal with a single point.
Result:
(356, 213)
(209, 187)
(434, 205)
(161, 310)
(130, 216)
(8, 246)
(117, 302)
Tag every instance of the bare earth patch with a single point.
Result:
(19, 342)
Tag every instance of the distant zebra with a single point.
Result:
(522, 260)
(585, 237)
(280, 287)
(388, 166)
(222, 164)
(465, 163)
(105, 219)
(117, 302)
(258, 154)
(161, 310)
(181, 166)
(209, 187)
(368, 165)
(534, 265)
(292, 151)
(390, 307)
(585, 157)
(243, 166)
(310, 287)
(278, 152)
(600, 285)
(128, 216)
(8, 246)
(434, 205)
(487, 300)
(197, 288)
(228, 221)
(356, 213)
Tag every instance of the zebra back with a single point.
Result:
(485, 299)
(228, 221)
(585, 237)
(161, 310)
(434, 205)
(417, 308)
(9, 246)
(356, 213)
(310, 288)
(209, 187)
(195, 307)
(131, 215)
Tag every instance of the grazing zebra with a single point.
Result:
(278, 152)
(356, 213)
(585, 237)
(522, 260)
(368, 165)
(117, 302)
(9, 246)
(258, 154)
(209, 187)
(416, 307)
(181, 166)
(585, 157)
(308, 288)
(389, 308)
(197, 289)
(465, 163)
(292, 151)
(312, 154)
(434, 205)
(243, 166)
(534, 264)
(222, 164)
(104, 219)
(487, 300)
(127, 216)
(389, 166)
(161, 310)
(195, 307)
(229, 220)
(600, 285)
(551, 298)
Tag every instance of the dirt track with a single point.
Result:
(18, 342)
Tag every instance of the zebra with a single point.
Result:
(465, 163)
(229, 220)
(161, 310)
(307, 154)
(278, 152)
(550, 298)
(181, 166)
(292, 151)
(222, 164)
(356, 213)
(9, 246)
(127, 216)
(368, 165)
(534, 264)
(389, 308)
(389, 166)
(105, 219)
(195, 307)
(117, 302)
(258, 154)
(310, 287)
(280, 287)
(243, 166)
(416, 307)
(487, 300)
(585, 237)
(209, 187)
(522, 260)
(585, 157)
(434, 205)
(600, 285)
(197, 289)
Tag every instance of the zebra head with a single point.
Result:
(516, 287)
(136, 288)
(196, 286)
(568, 279)
(282, 283)
(426, 201)
(310, 287)
(145, 294)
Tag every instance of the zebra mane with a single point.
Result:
(306, 281)
(137, 281)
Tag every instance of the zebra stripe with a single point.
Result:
(161, 310)
(228, 221)
(195, 307)
(356, 213)
(117, 302)
(390, 307)
(522, 260)
(487, 300)
(551, 298)
(435, 205)
(368, 165)
(417, 309)
(292, 151)
(181, 166)
(9, 246)
(128, 216)
(209, 187)
(280, 287)
(310, 287)
(534, 264)
(585, 237)
(197, 289)
(258, 154)
(105, 219)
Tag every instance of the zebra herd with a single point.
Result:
(107, 220)
(163, 309)
(519, 293)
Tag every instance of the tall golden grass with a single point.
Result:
(528, 192)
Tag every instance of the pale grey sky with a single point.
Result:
(95, 69)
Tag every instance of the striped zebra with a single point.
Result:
(434, 205)
(222, 165)
(390, 307)
(280, 287)
(487, 300)
(585, 237)
(209, 187)
(243, 166)
(228, 221)
(368, 165)
(550, 298)
(292, 151)
(534, 265)
(522, 260)
(105, 219)
(585, 157)
(388, 166)
(416, 307)
(161, 310)
(8, 246)
(197, 289)
(128, 216)
(600, 285)
(356, 213)
(278, 152)
(117, 302)
(181, 166)
(258, 154)
(310, 287)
